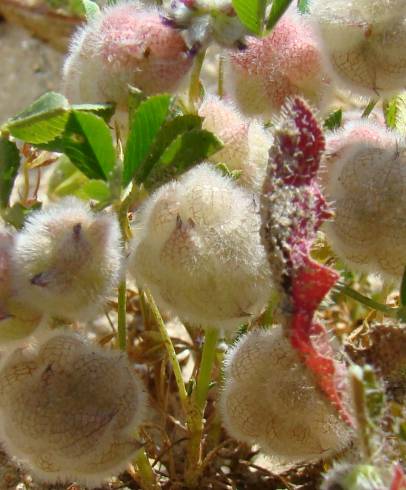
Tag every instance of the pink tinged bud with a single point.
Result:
(293, 209)
(285, 63)
(125, 45)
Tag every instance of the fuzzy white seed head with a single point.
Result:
(69, 410)
(287, 62)
(17, 320)
(197, 248)
(270, 399)
(67, 260)
(366, 180)
(246, 143)
(365, 42)
(124, 45)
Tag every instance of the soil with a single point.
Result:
(28, 68)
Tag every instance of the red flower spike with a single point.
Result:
(293, 209)
(299, 144)
(399, 478)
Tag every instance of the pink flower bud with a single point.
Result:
(124, 45)
(286, 62)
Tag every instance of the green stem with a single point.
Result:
(170, 350)
(122, 315)
(360, 412)
(147, 476)
(205, 368)
(370, 107)
(196, 414)
(370, 303)
(195, 85)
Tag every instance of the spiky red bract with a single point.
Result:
(399, 478)
(293, 209)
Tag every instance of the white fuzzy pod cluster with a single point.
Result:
(366, 180)
(246, 143)
(67, 260)
(69, 410)
(365, 41)
(197, 248)
(127, 43)
(270, 399)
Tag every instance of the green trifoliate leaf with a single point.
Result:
(184, 152)
(334, 120)
(91, 9)
(251, 14)
(145, 125)
(278, 8)
(9, 164)
(88, 143)
(42, 121)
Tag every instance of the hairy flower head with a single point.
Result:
(270, 399)
(365, 41)
(67, 259)
(124, 45)
(246, 143)
(69, 409)
(197, 248)
(286, 62)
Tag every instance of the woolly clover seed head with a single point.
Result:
(69, 409)
(197, 248)
(246, 143)
(365, 42)
(366, 182)
(125, 44)
(286, 62)
(270, 399)
(67, 260)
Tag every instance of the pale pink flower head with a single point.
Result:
(246, 142)
(286, 62)
(124, 45)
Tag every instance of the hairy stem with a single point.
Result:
(147, 475)
(170, 350)
(196, 414)
(370, 303)
(195, 85)
(122, 315)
